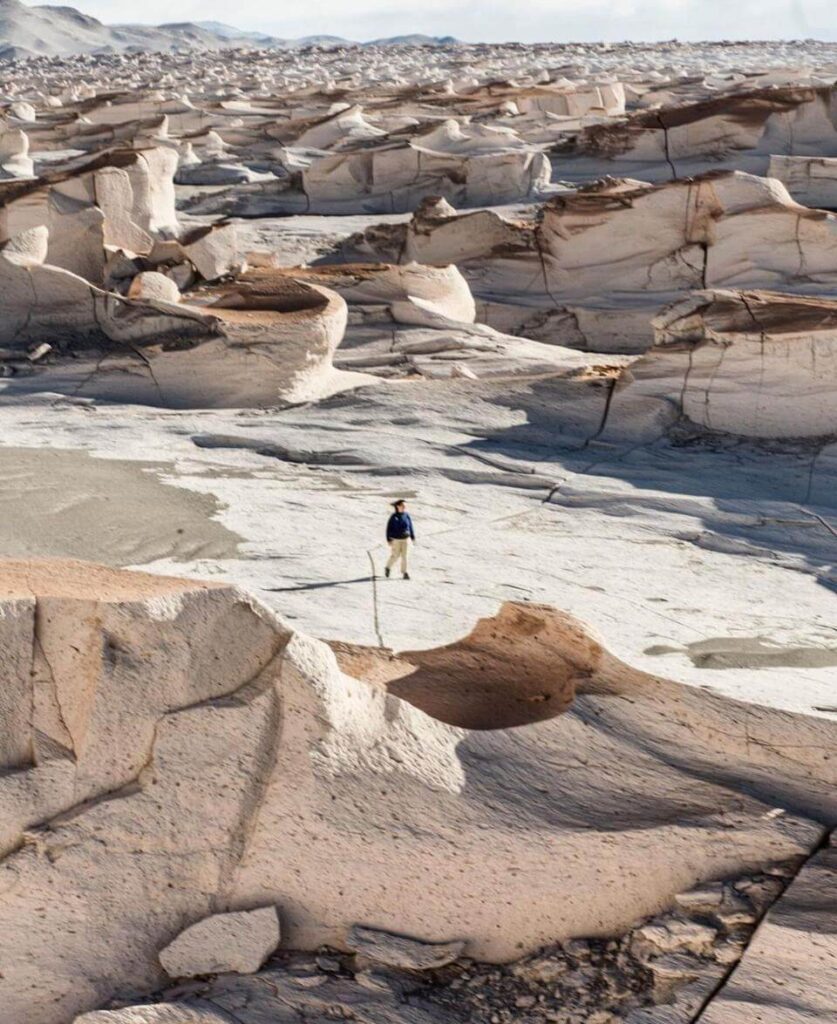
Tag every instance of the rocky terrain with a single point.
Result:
(577, 304)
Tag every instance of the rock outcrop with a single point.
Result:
(666, 970)
(574, 99)
(46, 304)
(470, 165)
(741, 131)
(248, 298)
(414, 319)
(173, 751)
(413, 293)
(121, 199)
(267, 339)
(601, 262)
(784, 975)
(754, 364)
(811, 180)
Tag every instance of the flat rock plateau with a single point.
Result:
(577, 306)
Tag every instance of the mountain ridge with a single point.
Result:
(51, 30)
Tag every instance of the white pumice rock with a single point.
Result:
(15, 161)
(238, 941)
(160, 1013)
(742, 130)
(122, 200)
(599, 263)
(749, 363)
(145, 348)
(152, 285)
(572, 99)
(213, 251)
(413, 293)
(811, 180)
(22, 111)
(591, 342)
(154, 745)
(28, 247)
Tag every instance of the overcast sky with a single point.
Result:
(498, 20)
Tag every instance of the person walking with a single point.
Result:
(399, 534)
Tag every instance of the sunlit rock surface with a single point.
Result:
(189, 753)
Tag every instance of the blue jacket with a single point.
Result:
(400, 526)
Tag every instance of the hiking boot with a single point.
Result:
(406, 575)
(386, 572)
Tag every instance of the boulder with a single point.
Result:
(152, 285)
(238, 941)
(213, 251)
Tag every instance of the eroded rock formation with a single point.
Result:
(665, 969)
(599, 263)
(470, 165)
(740, 131)
(811, 180)
(266, 340)
(173, 750)
(755, 364)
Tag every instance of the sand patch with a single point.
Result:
(749, 652)
(63, 503)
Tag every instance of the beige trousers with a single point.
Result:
(398, 549)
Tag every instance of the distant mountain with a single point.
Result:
(62, 31)
(54, 31)
(322, 41)
(229, 32)
(238, 35)
(223, 31)
(417, 39)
